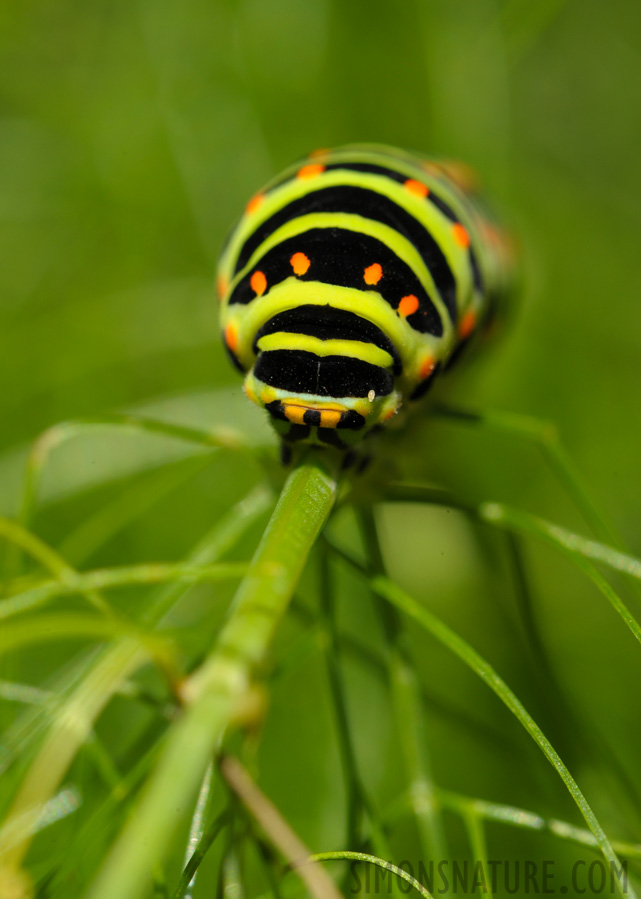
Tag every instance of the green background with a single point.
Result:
(132, 134)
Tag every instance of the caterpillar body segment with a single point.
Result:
(350, 282)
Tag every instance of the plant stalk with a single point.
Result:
(217, 692)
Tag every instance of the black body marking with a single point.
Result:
(371, 205)
(329, 323)
(297, 371)
(339, 256)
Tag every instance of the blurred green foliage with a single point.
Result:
(131, 135)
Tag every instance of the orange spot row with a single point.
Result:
(300, 263)
(373, 274)
(258, 283)
(427, 368)
(313, 170)
(315, 154)
(408, 305)
(254, 203)
(231, 337)
(417, 188)
(221, 286)
(467, 324)
(460, 235)
(329, 418)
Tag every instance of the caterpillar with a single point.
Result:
(350, 282)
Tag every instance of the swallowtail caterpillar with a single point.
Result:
(350, 282)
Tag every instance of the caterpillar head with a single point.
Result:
(316, 370)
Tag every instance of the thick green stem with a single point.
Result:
(94, 680)
(215, 694)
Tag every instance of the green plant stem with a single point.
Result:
(408, 709)
(200, 851)
(546, 437)
(103, 820)
(341, 855)
(23, 632)
(476, 835)
(278, 831)
(126, 576)
(133, 503)
(525, 605)
(375, 663)
(566, 720)
(214, 545)
(95, 680)
(518, 817)
(61, 744)
(197, 827)
(214, 695)
(579, 549)
(217, 438)
(269, 864)
(358, 801)
(353, 787)
(486, 672)
(574, 544)
(231, 870)
(21, 539)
